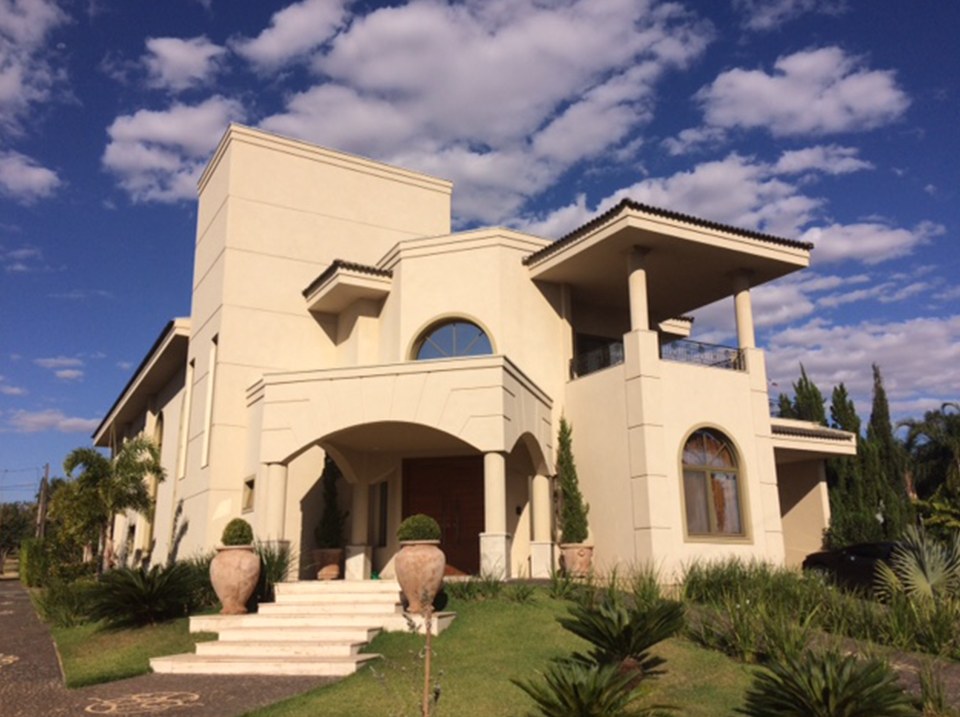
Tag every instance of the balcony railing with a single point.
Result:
(686, 351)
(595, 359)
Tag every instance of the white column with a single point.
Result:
(276, 500)
(541, 547)
(639, 310)
(745, 334)
(494, 541)
(357, 563)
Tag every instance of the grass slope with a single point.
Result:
(92, 654)
(490, 643)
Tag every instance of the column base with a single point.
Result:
(541, 559)
(495, 555)
(357, 562)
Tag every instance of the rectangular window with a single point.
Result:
(208, 410)
(185, 410)
(695, 497)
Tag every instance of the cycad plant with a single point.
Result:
(827, 684)
(129, 597)
(572, 689)
(921, 568)
(622, 635)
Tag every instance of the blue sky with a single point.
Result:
(832, 122)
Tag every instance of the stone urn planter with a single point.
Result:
(420, 562)
(577, 559)
(328, 561)
(235, 569)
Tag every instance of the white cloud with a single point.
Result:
(501, 97)
(694, 138)
(69, 374)
(832, 353)
(294, 33)
(869, 242)
(7, 390)
(159, 155)
(817, 91)
(770, 14)
(58, 362)
(124, 365)
(81, 294)
(24, 179)
(178, 64)
(27, 69)
(831, 159)
(50, 420)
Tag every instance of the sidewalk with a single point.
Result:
(31, 683)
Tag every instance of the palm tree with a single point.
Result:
(116, 485)
(934, 447)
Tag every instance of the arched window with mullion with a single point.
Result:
(711, 486)
(452, 339)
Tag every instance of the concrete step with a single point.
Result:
(330, 608)
(316, 635)
(309, 598)
(391, 622)
(249, 648)
(221, 665)
(326, 587)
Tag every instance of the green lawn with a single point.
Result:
(492, 642)
(92, 654)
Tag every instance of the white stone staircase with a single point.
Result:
(314, 628)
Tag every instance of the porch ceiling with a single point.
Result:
(408, 439)
(688, 266)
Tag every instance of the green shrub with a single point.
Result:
(65, 604)
(419, 527)
(329, 531)
(573, 510)
(571, 689)
(520, 593)
(622, 635)
(827, 684)
(34, 562)
(276, 559)
(561, 585)
(198, 566)
(464, 590)
(237, 532)
(128, 597)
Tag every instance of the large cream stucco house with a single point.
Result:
(334, 311)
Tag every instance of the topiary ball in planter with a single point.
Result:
(237, 532)
(420, 563)
(418, 527)
(235, 569)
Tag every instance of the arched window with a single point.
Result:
(711, 485)
(457, 337)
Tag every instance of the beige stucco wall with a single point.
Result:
(805, 506)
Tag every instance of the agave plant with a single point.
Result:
(622, 635)
(572, 689)
(921, 568)
(127, 597)
(827, 684)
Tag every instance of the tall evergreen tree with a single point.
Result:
(573, 510)
(884, 463)
(808, 401)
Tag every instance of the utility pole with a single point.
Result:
(42, 502)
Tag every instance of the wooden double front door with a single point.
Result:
(449, 490)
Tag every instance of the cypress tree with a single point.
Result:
(884, 463)
(785, 407)
(573, 511)
(808, 401)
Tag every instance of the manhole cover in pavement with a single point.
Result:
(144, 703)
(7, 660)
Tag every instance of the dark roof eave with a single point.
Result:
(338, 264)
(666, 214)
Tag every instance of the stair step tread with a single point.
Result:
(245, 659)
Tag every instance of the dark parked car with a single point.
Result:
(853, 566)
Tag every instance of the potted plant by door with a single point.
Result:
(329, 531)
(235, 569)
(576, 554)
(420, 562)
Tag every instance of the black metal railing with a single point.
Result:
(686, 351)
(595, 359)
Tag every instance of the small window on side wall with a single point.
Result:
(712, 490)
(452, 339)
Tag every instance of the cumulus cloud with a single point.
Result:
(818, 91)
(294, 33)
(177, 64)
(69, 374)
(869, 242)
(49, 420)
(159, 155)
(58, 362)
(830, 159)
(23, 179)
(500, 97)
(6, 389)
(832, 353)
(763, 15)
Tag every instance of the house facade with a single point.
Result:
(334, 313)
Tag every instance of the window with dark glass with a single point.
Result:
(452, 339)
(711, 486)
